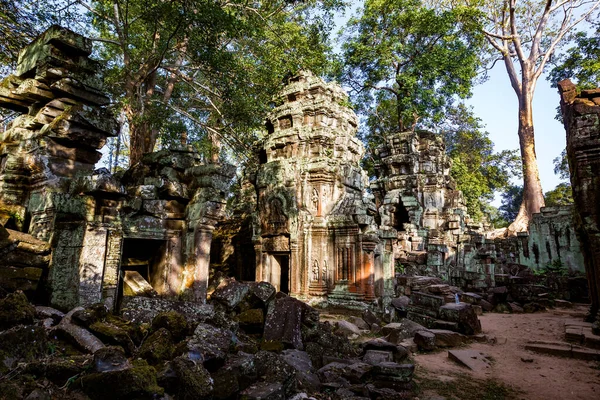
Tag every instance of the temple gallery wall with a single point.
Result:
(317, 227)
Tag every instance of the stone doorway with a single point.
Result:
(280, 272)
(142, 266)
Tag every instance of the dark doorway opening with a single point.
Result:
(284, 266)
(142, 266)
(400, 217)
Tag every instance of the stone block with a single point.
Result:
(471, 359)
(464, 315)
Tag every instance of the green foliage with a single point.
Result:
(580, 62)
(207, 70)
(21, 21)
(561, 195)
(408, 62)
(552, 269)
(561, 165)
(511, 202)
(478, 171)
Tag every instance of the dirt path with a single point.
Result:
(541, 378)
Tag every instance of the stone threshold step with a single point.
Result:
(564, 350)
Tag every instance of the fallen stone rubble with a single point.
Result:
(248, 342)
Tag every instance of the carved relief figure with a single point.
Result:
(315, 199)
(315, 270)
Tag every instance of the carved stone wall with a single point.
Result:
(149, 233)
(315, 233)
(421, 211)
(581, 117)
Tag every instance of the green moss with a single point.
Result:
(14, 310)
(158, 347)
(171, 321)
(138, 382)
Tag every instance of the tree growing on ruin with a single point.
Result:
(197, 70)
(408, 62)
(524, 35)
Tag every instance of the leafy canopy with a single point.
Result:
(408, 61)
(479, 172)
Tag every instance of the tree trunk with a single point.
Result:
(533, 196)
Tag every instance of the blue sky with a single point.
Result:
(496, 104)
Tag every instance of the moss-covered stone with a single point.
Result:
(171, 321)
(21, 343)
(14, 310)
(157, 347)
(136, 383)
(186, 379)
(112, 334)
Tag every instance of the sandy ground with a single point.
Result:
(547, 377)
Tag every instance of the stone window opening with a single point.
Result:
(400, 217)
(269, 126)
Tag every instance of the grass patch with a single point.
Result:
(464, 387)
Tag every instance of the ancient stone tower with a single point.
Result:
(316, 235)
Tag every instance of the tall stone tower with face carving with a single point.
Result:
(316, 236)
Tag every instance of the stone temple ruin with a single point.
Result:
(149, 232)
(321, 232)
(317, 233)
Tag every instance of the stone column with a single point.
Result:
(581, 116)
(202, 241)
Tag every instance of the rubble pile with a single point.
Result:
(249, 342)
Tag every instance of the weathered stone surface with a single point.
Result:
(209, 345)
(14, 310)
(446, 338)
(399, 352)
(173, 322)
(251, 320)
(138, 382)
(425, 340)
(144, 309)
(581, 124)
(393, 372)
(186, 379)
(110, 359)
(158, 347)
(263, 391)
(237, 374)
(284, 322)
(375, 357)
(360, 323)
(306, 378)
(21, 343)
(464, 315)
(471, 359)
(112, 334)
(272, 368)
(398, 331)
(347, 328)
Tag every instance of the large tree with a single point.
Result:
(524, 35)
(409, 62)
(203, 69)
